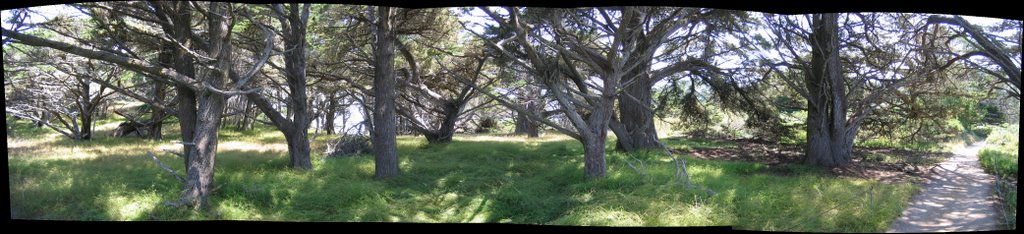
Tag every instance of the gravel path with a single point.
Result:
(957, 196)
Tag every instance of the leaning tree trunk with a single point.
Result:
(384, 145)
(635, 115)
(829, 139)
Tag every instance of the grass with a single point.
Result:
(479, 178)
(1000, 157)
(1001, 153)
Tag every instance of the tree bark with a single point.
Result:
(829, 140)
(594, 143)
(446, 131)
(994, 50)
(199, 178)
(384, 145)
(635, 114)
(329, 114)
(533, 103)
(184, 64)
(86, 111)
(166, 58)
(295, 74)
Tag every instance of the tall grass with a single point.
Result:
(1000, 157)
(473, 179)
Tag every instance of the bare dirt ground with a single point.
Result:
(957, 197)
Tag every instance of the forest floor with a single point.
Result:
(956, 197)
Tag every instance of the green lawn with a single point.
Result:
(474, 179)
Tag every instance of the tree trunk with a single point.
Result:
(200, 164)
(446, 131)
(524, 125)
(534, 103)
(330, 114)
(86, 131)
(594, 157)
(86, 110)
(166, 58)
(636, 108)
(199, 178)
(829, 139)
(594, 143)
(295, 74)
(636, 117)
(183, 64)
(298, 150)
(384, 145)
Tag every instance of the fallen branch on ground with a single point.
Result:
(175, 174)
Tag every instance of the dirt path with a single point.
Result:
(957, 196)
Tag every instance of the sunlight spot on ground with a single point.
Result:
(248, 146)
(132, 206)
(512, 138)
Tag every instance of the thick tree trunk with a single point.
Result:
(533, 103)
(829, 139)
(295, 67)
(298, 150)
(200, 164)
(86, 131)
(384, 145)
(594, 143)
(636, 117)
(446, 131)
(199, 178)
(594, 157)
(526, 126)
(251, 112)
(523, 125)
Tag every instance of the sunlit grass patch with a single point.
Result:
(132, 206)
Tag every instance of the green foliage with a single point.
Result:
(1001, 154)
(1000, 161)
(474, 179)
(982, 131)
(1000, 157)
(25, 128)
